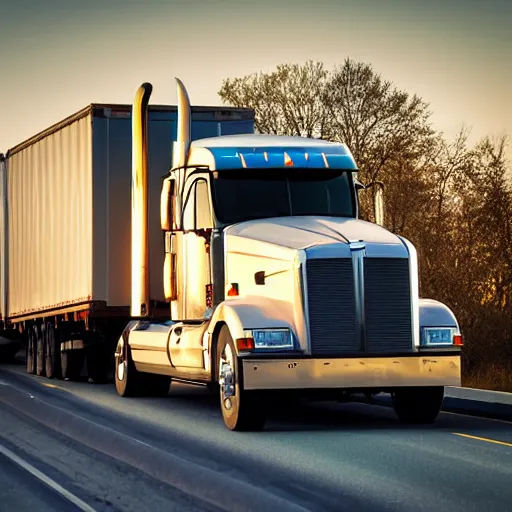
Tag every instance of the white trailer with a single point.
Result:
(65, 222)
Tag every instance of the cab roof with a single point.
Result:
(273, 151)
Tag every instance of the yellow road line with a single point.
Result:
(483, 439)
(48, 385)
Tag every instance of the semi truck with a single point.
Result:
(272, 284)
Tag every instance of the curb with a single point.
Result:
(478, 402)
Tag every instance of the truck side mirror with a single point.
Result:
(170, 284)
(358, 184)
(378, 203)
(378, 198)
(166, 205)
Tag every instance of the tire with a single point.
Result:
(129, 382)
(52, 355)
(71, 363)
(241, 410)
(31, 350)
(40, 350)
(418, 405)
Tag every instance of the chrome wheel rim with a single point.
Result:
(227, 377)
(121, 361)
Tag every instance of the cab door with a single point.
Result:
(196, 267)
(193, 267)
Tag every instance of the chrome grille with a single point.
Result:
(331, 306)
(387, 305)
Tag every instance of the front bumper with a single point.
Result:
(371, 372)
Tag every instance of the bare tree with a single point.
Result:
(376, 120)
(494, 218)
(287, 101)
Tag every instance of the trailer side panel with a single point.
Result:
(3, 236)
(50, 221)
(69, 215)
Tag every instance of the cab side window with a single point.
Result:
(197, 213)
(202, 205)
(189, 210)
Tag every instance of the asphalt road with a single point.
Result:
(19, 490)
(175, 453)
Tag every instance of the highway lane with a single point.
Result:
(319, 456)
(19, 490)
(100, 483)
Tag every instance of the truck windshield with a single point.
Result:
(264, 193)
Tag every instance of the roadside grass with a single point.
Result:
(493, 377)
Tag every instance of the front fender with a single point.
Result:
(436, 314)
(252, 312)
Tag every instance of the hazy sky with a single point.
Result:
(60, 55)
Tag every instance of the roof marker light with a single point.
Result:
(324, 156)
(288, 162)
(265, 154)
(242, 159)
(306, 156)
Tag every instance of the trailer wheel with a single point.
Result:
(418, 405)
(40, 350)
(52, 359)
(31, 350)
(242, 410)
(71, 362)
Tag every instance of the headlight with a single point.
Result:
(439, 336)
(273, 339)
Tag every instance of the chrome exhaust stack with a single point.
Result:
(182, 144)
(181, 147)
(140, 302)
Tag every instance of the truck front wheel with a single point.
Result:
(128, 379)
(242, 410)
(418, 405)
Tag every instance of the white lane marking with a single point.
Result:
(47, 480)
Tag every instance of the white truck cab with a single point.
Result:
(274, 283)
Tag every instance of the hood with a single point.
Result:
(319, 235)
